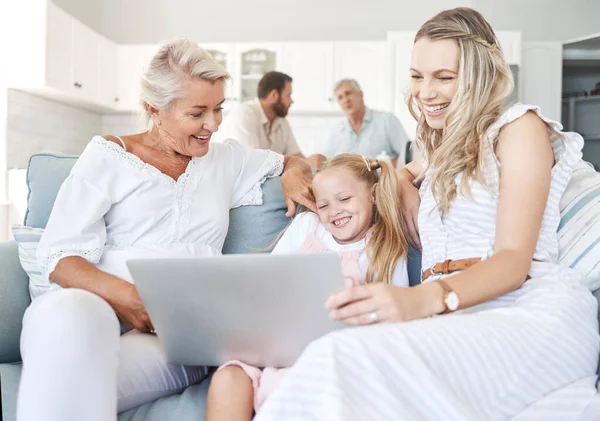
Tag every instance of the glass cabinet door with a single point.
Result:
(224, 55)
(219, 56)
(254, 63)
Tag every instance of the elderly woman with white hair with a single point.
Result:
(164, 192)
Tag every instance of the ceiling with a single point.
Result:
(153, 21)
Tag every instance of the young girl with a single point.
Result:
(358, 217)
(516, 334)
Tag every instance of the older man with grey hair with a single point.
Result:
(367, 132)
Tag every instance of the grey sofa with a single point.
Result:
(251, 228)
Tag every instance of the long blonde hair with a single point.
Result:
(484, 83)
(386, 242)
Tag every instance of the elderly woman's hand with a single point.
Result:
(383, 303)
(128, 305)
(296, 182)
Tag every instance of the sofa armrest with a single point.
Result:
(14, 299)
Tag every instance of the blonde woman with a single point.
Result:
(511, 326)
(357, 217)
(164, 192)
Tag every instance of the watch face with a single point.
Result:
(452, 301)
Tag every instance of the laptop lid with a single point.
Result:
(260, 309)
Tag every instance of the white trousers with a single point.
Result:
(76, 366)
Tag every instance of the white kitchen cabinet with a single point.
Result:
(59, 50)
(132, 59)
(252, 61)
(310, 64)
(59, 57)
(225, 54)
(541, 76)
(371, 64)
(86, 46)
(510, 42)
(107, 73)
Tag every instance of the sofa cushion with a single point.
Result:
(254, 228)
(45, 174)
(10, 375)
(579, 229)
(27, 239)
(14, 299)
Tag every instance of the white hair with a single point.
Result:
(173, 65)
(351, 82)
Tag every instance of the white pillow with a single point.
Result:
(579, 229)
(27, 239)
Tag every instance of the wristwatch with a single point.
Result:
(451, 300)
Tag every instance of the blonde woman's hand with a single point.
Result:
(296, 182)
(384, 303)
(410, 201)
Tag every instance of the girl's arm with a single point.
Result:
(295, 234)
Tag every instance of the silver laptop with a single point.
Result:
(260, 309)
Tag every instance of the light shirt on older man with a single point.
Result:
(248, 124)
(380, 132)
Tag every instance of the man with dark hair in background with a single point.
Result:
(261, 123)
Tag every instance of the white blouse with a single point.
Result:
(113, 206)
(304, 225)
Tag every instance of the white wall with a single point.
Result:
(152, 21)
(121, 124)
(4, 204)
(37, 124)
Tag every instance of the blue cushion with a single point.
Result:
(45, 174)
(14, 299)
(253, 228)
